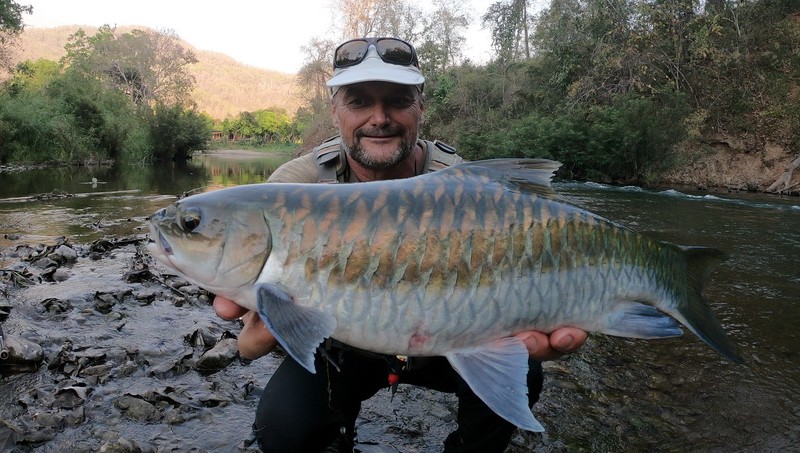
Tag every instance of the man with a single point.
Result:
(378, 106)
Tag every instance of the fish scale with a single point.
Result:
(450, 263)
(424, 273)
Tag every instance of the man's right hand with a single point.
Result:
(255, 340)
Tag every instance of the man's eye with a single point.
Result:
(402, 102)
(357, 102)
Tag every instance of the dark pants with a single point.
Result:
(304, 412)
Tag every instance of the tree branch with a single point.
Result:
(784, 183)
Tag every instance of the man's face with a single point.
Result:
(378, 121)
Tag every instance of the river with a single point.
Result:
(613, 395)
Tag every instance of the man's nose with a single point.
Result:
(380, 114)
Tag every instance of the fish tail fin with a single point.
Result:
(695, 313)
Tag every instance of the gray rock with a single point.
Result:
(220, 356)
(64, 254)
(138, 409)
(21, 351)
(120, 445)
(61, 274)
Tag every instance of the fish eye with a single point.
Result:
(190, 219)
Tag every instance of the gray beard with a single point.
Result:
(357, 153)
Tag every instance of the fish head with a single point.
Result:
(217, 245)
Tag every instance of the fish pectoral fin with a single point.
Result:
(497, 372)
(639, 320)
(298, 329)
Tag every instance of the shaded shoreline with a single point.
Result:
(675, 179)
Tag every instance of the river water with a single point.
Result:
(613, 395)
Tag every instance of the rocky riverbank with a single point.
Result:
(128, 359)
(121, 347)
(119, 355)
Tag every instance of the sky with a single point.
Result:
(263, 33)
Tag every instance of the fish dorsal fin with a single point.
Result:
(528, 175)
(298, 329)
(498, 373)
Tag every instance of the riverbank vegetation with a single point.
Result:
(702, 92)
(112, 97)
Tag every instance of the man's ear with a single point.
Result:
(334, 118)
(422, 108)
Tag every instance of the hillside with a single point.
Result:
(224, 86)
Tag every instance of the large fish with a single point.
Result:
(450, 263)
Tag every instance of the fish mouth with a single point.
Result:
(164, 244)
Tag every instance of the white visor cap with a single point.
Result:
(373, 69)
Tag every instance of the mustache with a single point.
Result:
(380, 132)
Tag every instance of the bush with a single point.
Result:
(629, 140)
(35, 132)
(176, 132)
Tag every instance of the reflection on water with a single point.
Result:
(623, 395)
(86, 203)
(706, 403)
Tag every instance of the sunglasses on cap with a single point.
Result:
(391, 50)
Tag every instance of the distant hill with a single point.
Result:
(224, 86)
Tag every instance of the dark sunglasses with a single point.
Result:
(391, 50)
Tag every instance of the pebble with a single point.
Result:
(104, 302)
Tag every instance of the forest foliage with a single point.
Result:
(114, 96)
(123, 94)
(223, 86)
(611, 88)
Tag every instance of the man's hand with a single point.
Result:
(549, 347)
(255, 340)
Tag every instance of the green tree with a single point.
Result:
(175, 132)
(150, 67)
(612, 89)
(273, 125)
(50, 115)
(11, 25)
(443, 37)
(509, 24)
(33, 76)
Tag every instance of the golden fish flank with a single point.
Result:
(451, 263)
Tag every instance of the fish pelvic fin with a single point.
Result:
(641, 320)
(528, 175)
(298, 329)
(497, 372)
(695, 313)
